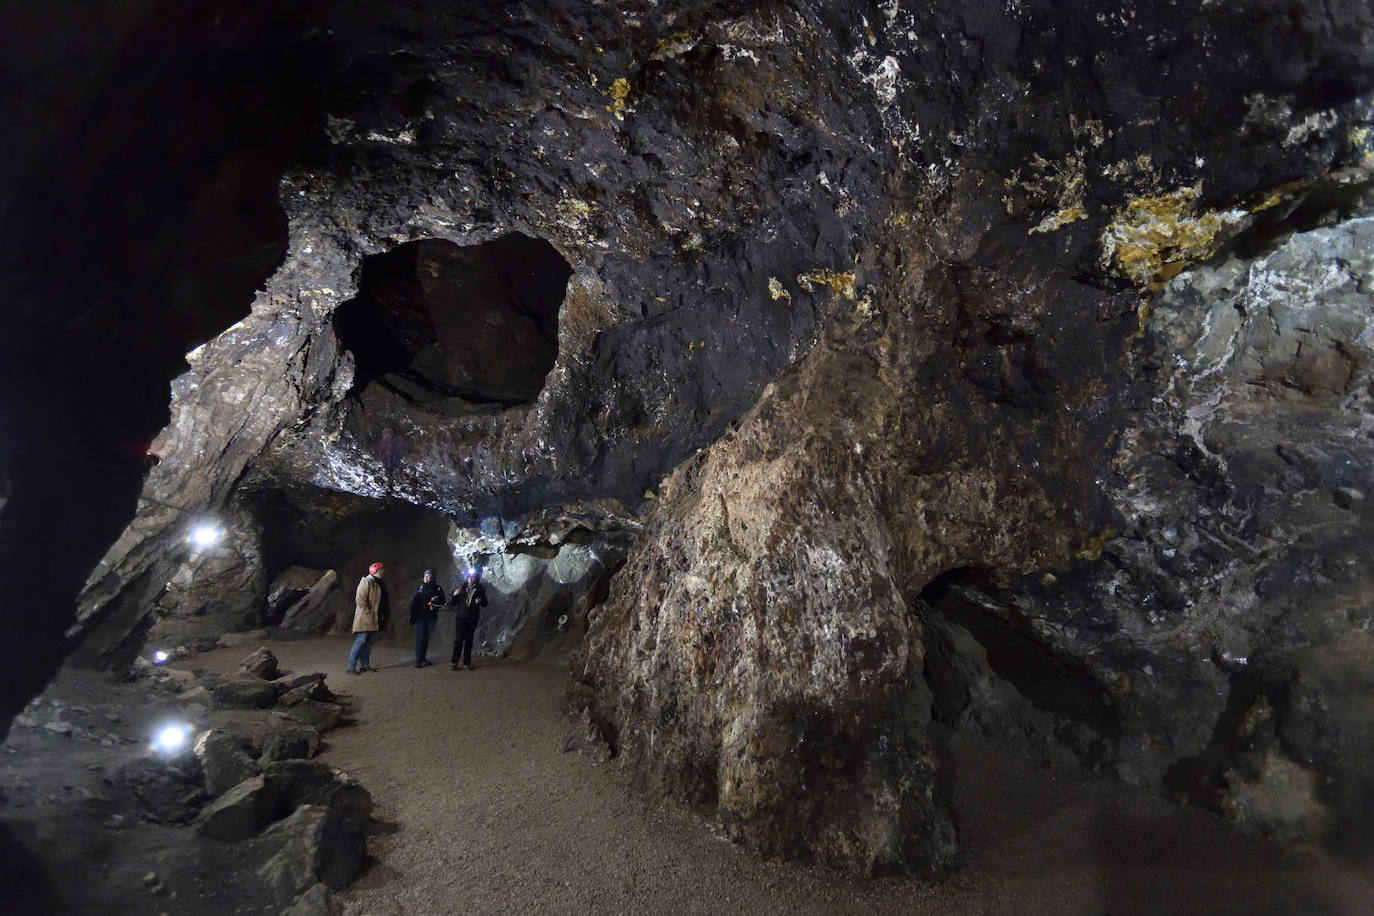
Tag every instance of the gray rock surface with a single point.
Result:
(223, 760)
(319, 607)
(262, 663)
(239, 813)
(315, 846)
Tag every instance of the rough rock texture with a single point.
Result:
(318, 608)
(316, 845)
(1005, 365)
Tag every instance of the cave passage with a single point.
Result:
(434, 320)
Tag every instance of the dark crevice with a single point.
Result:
(1050, 682)
(1325, 203)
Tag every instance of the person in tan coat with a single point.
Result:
(371, 607)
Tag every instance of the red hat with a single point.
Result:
(376, 567)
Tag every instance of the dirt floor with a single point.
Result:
(478, 810)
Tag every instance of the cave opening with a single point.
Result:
(1012, 653)
(320, 530)
(434, 321)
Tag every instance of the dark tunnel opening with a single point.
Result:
(1049, 682)
(435, 320)
(321, 530)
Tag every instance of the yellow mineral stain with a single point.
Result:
(778, 291)
(1151, 234)
(1057, 220)
(840, 283)
(620, 89)
(673, 45)
(1092, 550)
(570, 208)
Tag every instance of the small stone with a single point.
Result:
(61, 728)
(150, 879)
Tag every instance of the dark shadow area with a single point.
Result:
(1051, 683)
(434, 321)
(24, 891)
(140, 180)
(325, 529)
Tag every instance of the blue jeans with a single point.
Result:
(361, 656)
(423, 627)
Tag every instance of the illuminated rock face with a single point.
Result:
(976, 364)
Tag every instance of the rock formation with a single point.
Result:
(993, 364)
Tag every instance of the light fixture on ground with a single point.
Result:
(161, 656)
(172, 738)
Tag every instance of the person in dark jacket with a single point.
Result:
(424, 610)
(469, 599)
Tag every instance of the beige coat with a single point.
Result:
(366, 602)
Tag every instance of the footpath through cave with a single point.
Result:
(478, 809)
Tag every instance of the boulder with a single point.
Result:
(318, 608)
(280, 738)
(315, 845)
(245, 692)
(305, 782)
(313, 690)
(240, 812)
(317, 901)
(261, 663)
(223, 761)
(321, 716)
(291, 682)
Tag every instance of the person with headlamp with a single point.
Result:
(468, 599)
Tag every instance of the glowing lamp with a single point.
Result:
(160, 656)
(172, 738)
(206, 536)
(471, 571)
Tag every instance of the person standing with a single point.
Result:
(371, 607)
(468, 598)
(424, 608)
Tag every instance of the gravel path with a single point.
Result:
(479, 811)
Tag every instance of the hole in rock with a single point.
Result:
(433, 320)
(1049, 682)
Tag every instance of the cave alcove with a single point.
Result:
(324, 529)
(435, 321)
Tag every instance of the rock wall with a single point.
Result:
(976, 363)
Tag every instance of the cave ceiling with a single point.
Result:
(880, 339)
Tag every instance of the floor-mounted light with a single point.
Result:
(171, 739)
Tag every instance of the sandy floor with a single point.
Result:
(478, 810)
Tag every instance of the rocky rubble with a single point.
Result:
(254, 821)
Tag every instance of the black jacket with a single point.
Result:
(469, 601)
(426, 601)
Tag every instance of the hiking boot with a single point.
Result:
(354, 671)
(453, 667)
